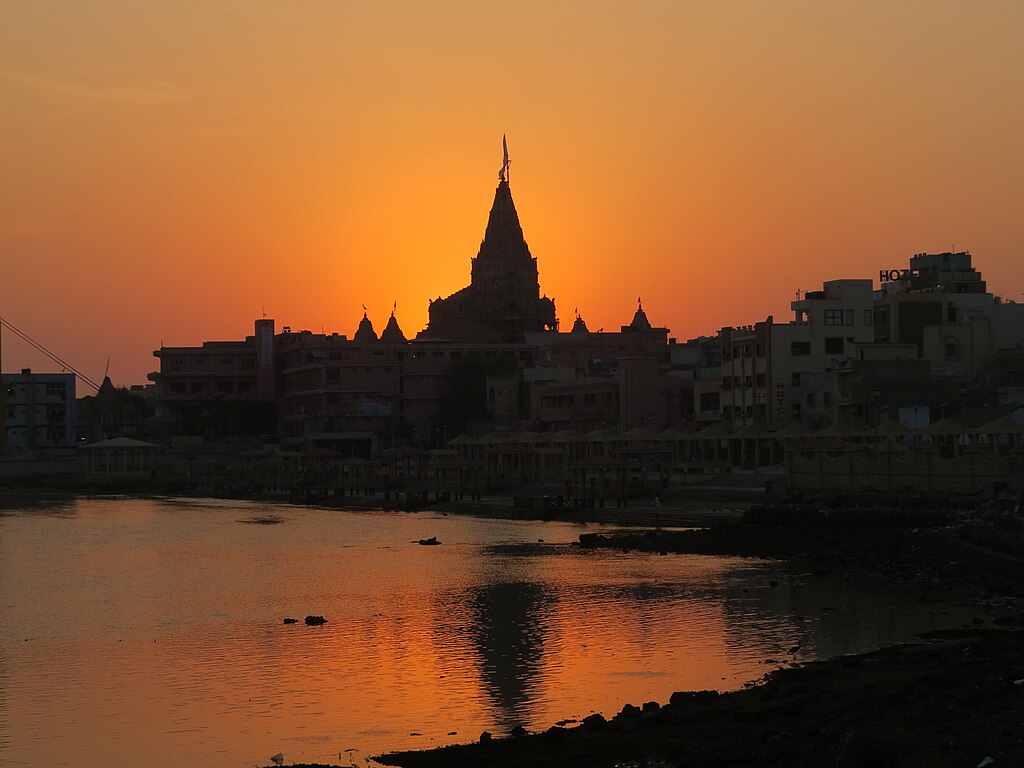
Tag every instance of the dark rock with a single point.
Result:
(695, 697)
(431, 542)
(291, 621)
(485, 737)
(315, 621)
(628, 710)
(594, 721)
(651, 706)
(517, 732)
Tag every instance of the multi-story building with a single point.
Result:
(40, 413)
(219, 388)
(774, 374)
(934, 290)
(338, 393)
(695, 369)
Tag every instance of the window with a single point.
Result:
(800, 348)
(796, 379)
(833, 345)
(810, 399)
(868, 317)
(826, 399)
(760, 379)
(833, 317)
(849, 317)
(55, 390)
(197, 387)
(225, 387)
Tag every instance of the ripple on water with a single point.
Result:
(162, 631)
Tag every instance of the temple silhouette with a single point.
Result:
(502, 302)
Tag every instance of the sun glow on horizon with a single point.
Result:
(177, 171)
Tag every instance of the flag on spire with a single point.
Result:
(504, 162)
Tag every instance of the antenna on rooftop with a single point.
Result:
(107, 369)
(798, 292)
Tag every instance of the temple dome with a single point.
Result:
(640, 321)
(579, 326)
(365, 332)
(392, 334)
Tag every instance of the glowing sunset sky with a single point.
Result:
(168, 171)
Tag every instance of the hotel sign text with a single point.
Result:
(892, 275)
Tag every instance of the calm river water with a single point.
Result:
(149, 633)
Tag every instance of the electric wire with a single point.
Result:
(52, 355)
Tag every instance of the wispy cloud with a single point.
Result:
(138, 94)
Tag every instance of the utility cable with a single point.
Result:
(53, 356)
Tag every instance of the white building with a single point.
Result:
(774, 374)
(40, 413)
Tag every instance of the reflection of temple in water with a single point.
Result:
(508, 631)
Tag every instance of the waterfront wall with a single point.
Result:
(920, 471)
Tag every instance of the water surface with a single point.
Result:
(149, 633)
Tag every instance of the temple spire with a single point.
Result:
(503, 174)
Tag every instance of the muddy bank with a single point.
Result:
(954, 701)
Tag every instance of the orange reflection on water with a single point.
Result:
(150, 633)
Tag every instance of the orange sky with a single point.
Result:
(169, 170)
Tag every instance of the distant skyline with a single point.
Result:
(170, 172)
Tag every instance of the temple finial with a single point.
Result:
(503, 173)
